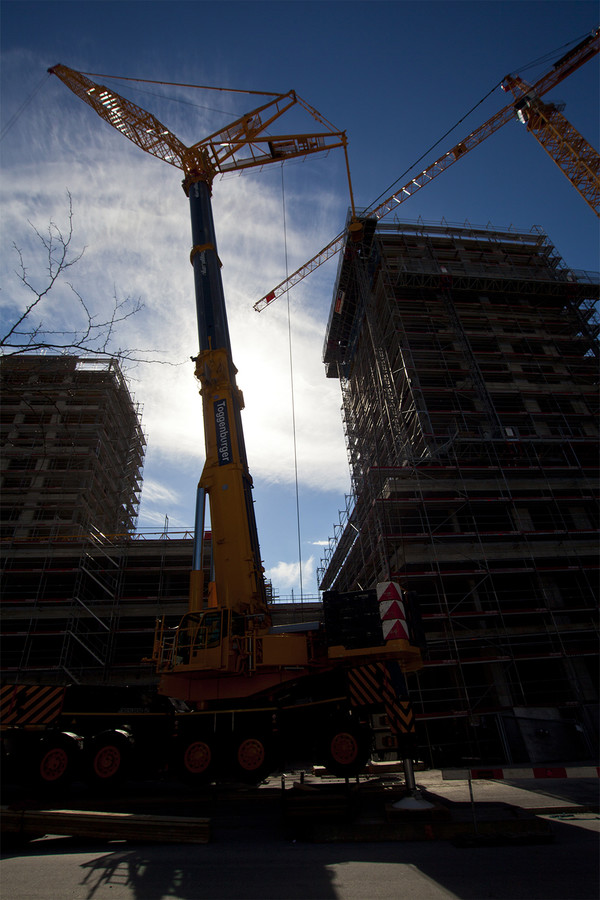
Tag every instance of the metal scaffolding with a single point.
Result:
(81, 590)
(468, 363)
(83, 609)
(72, 447)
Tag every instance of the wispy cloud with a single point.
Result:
(155, 492)
(132, 216)
(286, 574)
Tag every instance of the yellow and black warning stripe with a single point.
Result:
(401, 717)
(372, 685)
(28, 704)
(399, 712)
(365, 684)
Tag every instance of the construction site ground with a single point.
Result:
(303, 834)
(310, 805)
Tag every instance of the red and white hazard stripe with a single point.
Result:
(391, 611)
(516, 774)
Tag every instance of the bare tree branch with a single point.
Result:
(87, 332)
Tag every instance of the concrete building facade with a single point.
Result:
(468, 364)
(81, 588)
(72, 451)
(83, 610)
(72, 447)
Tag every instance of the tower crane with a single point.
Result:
(571, 152)
(574, 156)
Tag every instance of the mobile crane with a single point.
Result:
(231, 686)
(239, 688)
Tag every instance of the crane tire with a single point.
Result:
(56, 760)
(108, 757)
(194, 758)
(346, 749)
(252, 758)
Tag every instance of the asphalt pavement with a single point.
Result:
(253, 853)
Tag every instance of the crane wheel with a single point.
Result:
(57, 758)
(252, 758)
(195, 759)
(346, 750)
(108, 757)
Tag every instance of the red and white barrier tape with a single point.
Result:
(517, 774)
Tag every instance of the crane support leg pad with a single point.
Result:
(109, 825)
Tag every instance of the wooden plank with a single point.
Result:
(108, 825)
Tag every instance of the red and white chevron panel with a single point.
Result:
(518, 774)
(391, 611)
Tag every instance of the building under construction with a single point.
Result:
(469, 368)
(468, 364)
(81, 589)
(71, 469)
(83, 609)
(72, 447)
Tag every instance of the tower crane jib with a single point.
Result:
(576, 157)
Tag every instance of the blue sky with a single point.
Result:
(395, 75)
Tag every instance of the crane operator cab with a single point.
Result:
(215, 639)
